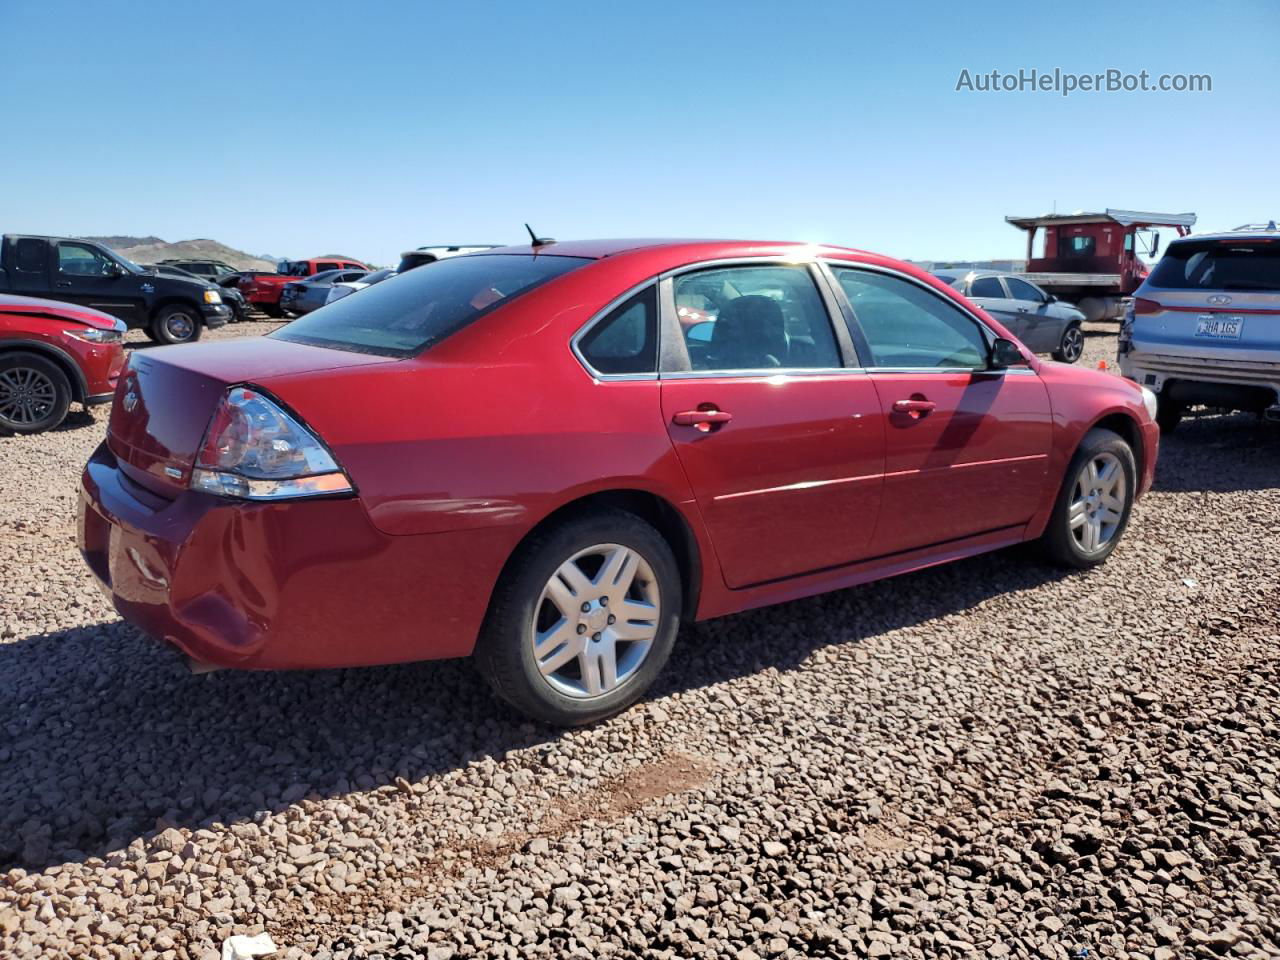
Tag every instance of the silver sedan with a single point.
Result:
(1040, 320)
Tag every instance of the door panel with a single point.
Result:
(976, 462)
(792, 482)
(79, 277)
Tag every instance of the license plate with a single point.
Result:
(1218, 327)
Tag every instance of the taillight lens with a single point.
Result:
(1141, 306)
(253, 450)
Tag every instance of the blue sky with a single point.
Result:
(371, 128)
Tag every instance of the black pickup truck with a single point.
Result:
(170, 309)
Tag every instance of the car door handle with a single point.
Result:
(704, 420)
(916, 408)
(62, 283)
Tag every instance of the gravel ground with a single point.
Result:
(992, 758)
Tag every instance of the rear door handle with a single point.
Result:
(704, 420)
(914, 407)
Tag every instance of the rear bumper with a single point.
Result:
(282, 586)
(1243, 383)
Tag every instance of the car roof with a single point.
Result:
(1253, 234)
(693, 249)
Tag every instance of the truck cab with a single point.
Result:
(263, 289)
(170, 309)
(1094, 260)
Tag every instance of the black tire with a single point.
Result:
(272, 310)
(34, 393)
(504, 651)
(1168, 413)
(1071, 346)
(176, 323)
(1060, 542)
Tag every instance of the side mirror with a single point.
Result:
(1155, 243)
(112, 269)
(1005, 354)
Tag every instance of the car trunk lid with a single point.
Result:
(166, 398)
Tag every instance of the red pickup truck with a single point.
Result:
(263, 289)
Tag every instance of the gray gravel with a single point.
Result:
(992, 758)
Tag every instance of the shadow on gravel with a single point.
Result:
(103, 733)
(1219, 454)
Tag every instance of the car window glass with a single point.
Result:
(31, 255)
(1076, 246)
(1221, 265)
(754, 318)
(625, 341)
(1021, 290)
(321, 267)
(908, 326)
(81, 260)
(987, 287)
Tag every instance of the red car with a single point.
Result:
(524, 456)
(263, 290)
(51, 354)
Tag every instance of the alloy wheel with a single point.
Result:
(595, 621)
(27, 396)
(1072, 344)
(1097, 503)
(179, 326)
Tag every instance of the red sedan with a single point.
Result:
(51, 354)
(525, 456)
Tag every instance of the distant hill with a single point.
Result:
(151, 249)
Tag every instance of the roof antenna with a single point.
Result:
(537, 240)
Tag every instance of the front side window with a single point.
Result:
(754, 318)
(988, 288)
(1021, 290)
(907, 326)
(80, 260)
(625, 341)
(408, 313)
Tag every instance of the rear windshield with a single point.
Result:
(408, 313)
(1219, 265)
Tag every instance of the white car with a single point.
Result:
(340, 290)
(1204, 327)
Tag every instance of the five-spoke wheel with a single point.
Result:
(583, 618)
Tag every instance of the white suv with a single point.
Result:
(1204, 327)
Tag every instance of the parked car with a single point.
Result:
(231, 296)
(170, 309)
(345, 287)
(303, 296)
(481, 459)
(211, 270)
(1039, 320)
(263, 289)
(424, 255)
(1204, 327)
(51, 355)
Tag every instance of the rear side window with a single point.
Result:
(31, 255)
(988, 287)
(907, 326)
(626, 341)
(322, 267)
(408, 313)
(1219, 265)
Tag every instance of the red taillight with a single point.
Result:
(1141, 306)
(255, 450)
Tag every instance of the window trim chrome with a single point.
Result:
(844, 345)
(575, 342)
(830, 263)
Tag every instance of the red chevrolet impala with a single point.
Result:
(525, 456)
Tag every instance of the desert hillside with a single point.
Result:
(151, 249)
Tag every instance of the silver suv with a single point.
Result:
(1204, 327)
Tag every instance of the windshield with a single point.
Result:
(128, 264)
(410, 312)
(1219, 265)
